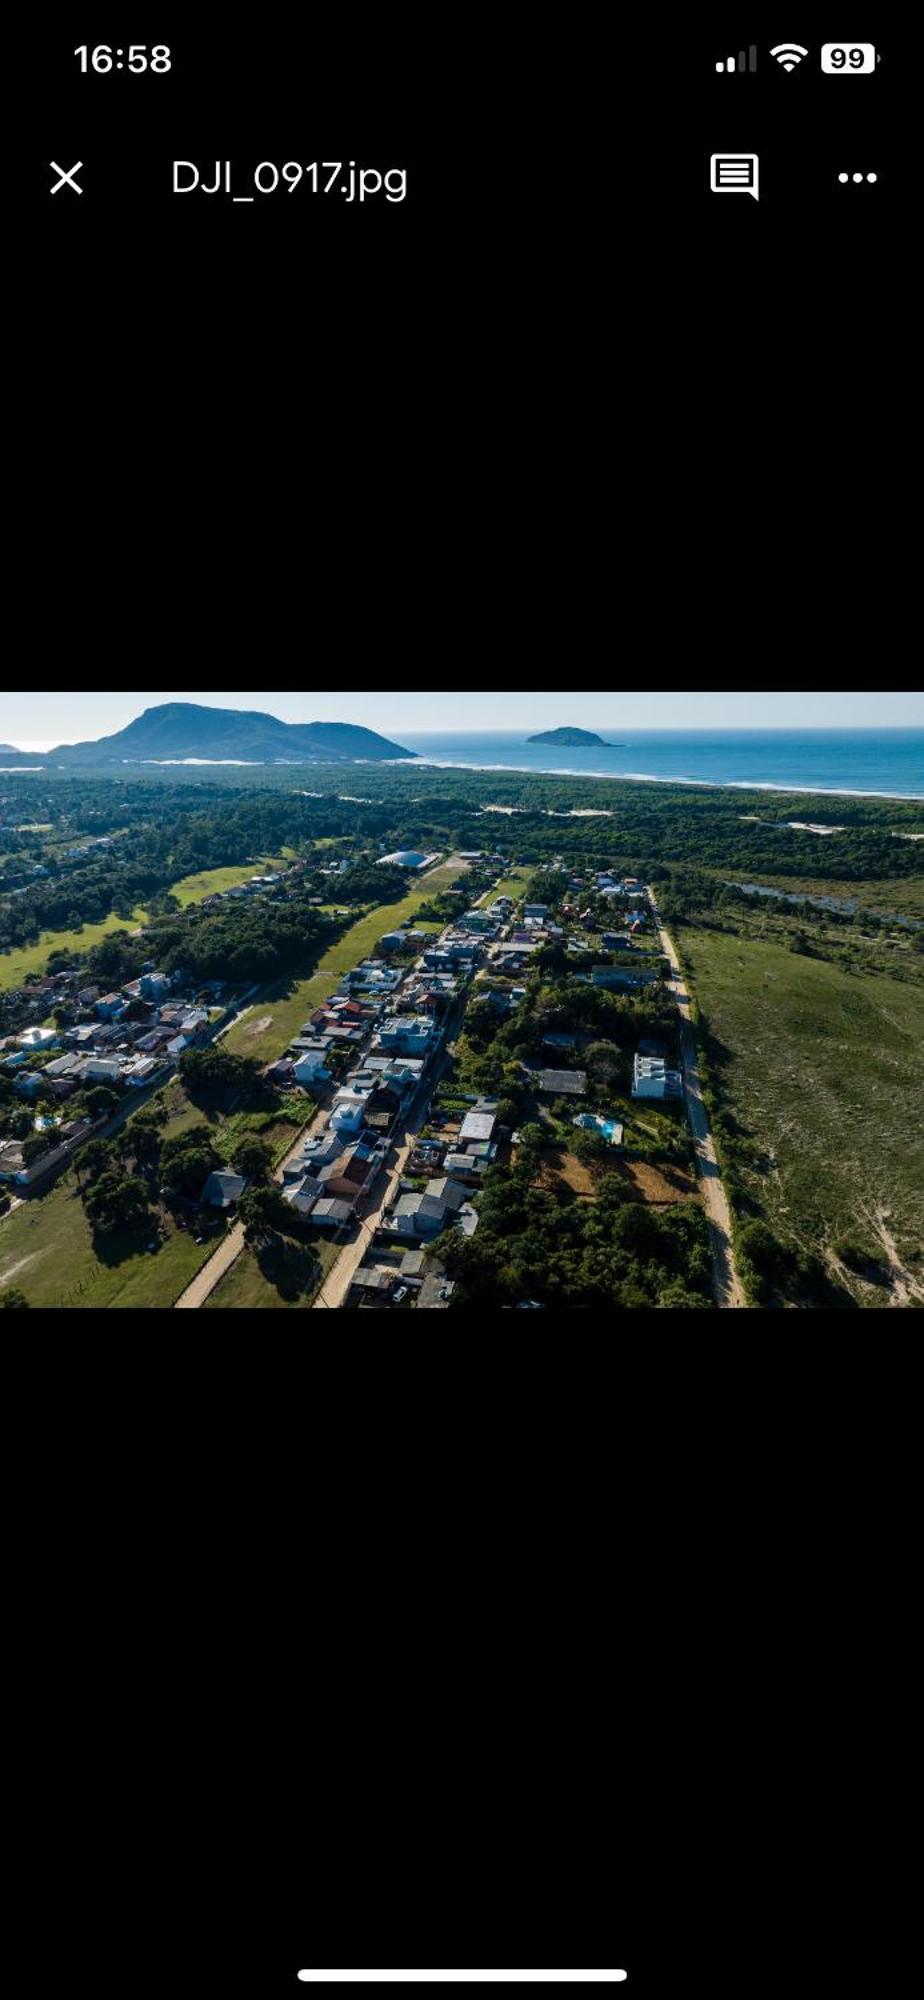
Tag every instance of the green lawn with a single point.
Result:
(514, 885)
(14, 965)
(46, 1252)
(271, 1024)
(287, 1280)
(195, 888)
(824, 1069)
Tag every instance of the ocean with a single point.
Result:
(874, 763)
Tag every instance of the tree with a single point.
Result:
(215, 1072)
(264, 1213)
(606, 1066)
(116, 1202)
(187, 1161)
(252, 1158)
(101, 1101)
(144, 1140)
(13, 1301)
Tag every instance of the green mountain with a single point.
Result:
(572, 737)
(180, 730)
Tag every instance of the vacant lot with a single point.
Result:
(47, 1252)
(267, 1031)
(562, 1172)
(824, 1070)
(514, 885)
(286, 1278)
(662, 1186)
(214, 881)
(15, 965)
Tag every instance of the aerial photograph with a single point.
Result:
(602, 1003)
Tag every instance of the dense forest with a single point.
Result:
(160, 829)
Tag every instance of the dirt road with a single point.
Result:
(727, 1285)
(335, 1293)
(232, 1245)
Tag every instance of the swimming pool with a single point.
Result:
(608, 1128)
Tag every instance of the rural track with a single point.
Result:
(726, 1284)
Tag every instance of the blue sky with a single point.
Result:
(24, 718)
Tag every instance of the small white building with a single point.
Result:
(653, 1079)
(311, 1069)
(350, 1110)
(36, 1040)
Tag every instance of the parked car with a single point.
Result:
(400, 1295)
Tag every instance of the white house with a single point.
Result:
(311, 1069)
(36, 1040)
(349, 1110)
(653, 1079)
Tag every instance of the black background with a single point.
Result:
(396, 418)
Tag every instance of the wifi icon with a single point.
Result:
(789, 54)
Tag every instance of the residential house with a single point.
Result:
(111, 1007)
(302, 1195)
(223, 1190)
(559, 1082)
(349, 1110)
(319, 1152)
(331, 1214)
(418, 1215)
(311, 1069)
(144, 1071)
(374, 1285)
(449, 1193)
(102, 1069)
(478, 1125)
(653, 1079)
(620, 976)
(154, 985)
(36, 1040)
(466, 1167)
(407, 1034)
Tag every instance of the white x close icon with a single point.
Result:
(67, 176)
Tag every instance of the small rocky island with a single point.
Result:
(573, 739)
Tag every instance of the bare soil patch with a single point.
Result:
(662, 1187)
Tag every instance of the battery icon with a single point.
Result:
(848, 58)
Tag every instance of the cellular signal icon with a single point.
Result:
(789, 54)
(747, 60)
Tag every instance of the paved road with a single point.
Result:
(727, 1286)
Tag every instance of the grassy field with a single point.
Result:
(195, 888)
(15, 965)
(293, 1280)
(902, 896)
(46, 1246)
(824, 1069)
(47, 1252)
(271, 1025)
(514, 885)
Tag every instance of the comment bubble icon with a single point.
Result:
(735, 173)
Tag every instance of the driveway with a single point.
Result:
(727, 1286)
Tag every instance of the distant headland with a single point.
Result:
(575, 739)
